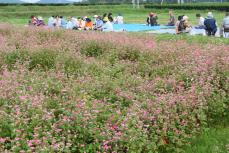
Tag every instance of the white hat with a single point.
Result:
(185, 18)
(95, 16)
(210, 14)
(40, 18)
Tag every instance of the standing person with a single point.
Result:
(210, 25)
(172, 19)
(225, 26)
(200, 21)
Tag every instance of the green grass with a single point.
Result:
(214, 140)
(20, 14)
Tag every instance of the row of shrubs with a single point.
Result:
(219, 7)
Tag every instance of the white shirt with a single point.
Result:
(108, 26)
(201, 21)
(119, 19)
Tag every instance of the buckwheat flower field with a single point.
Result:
(66, 91)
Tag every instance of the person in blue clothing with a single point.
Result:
(63, 22)
(98, 23)
(210, 25)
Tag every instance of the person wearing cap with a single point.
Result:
(200, 21)
(98, 23)
(40, 21)
(225, 26)
(210, 25)
(95, 18)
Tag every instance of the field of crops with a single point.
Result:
(64, 91)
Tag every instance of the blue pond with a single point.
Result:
(138, 27)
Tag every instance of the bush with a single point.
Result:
(73, 67)
(130, 54)
(44, 60)
(220, 7)
(92, 49)
(16, 56)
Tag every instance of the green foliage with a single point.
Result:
(211, 6)
(43, 60)
(73, 67)
(130, 54)
(92, 49)
(16, 56)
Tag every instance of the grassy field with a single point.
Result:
(20, 14)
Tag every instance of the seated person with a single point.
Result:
(171, 19)
(108, 27)
(33, 20)
(182, 26)
(88, 24)
(40, 21)
(200, 21)
(119, 19)
(110, 18)
(98, 23)
(225, 26)
(69, 24)
(105, 18)
(63, 22)
(81, 23)
(51, 22)
(210, 25)
(152, 19)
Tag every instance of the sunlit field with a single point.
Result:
(109, 92)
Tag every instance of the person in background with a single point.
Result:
(183, 25)
(95, 18)
(33, 20)
(110, 18)
(40, 21)
(81, 23)
(152, 19)
(119, 19)
(51, 22)
(98, 23)
(88, 24)
(172, 19)
(210, 25)
(69, 24)
(107, 27)
(57, 21)
(200, 21)
(63, 22)
(225, 26)
(105, 18)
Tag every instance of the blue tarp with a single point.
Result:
(138, 27)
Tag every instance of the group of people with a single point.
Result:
(101, 23)
(182, 25)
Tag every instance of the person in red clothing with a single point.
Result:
(88, 24)
(33, 20)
